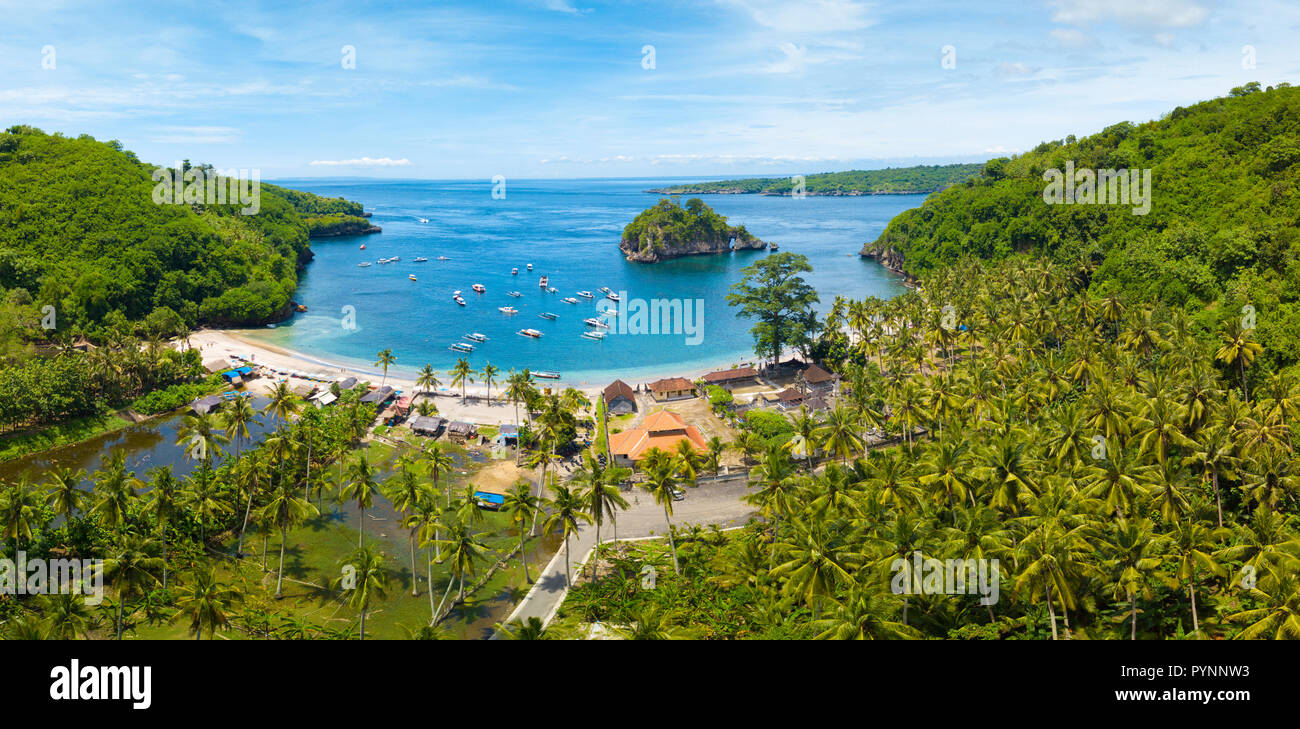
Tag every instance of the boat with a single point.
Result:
(461, 347)
(363, 246)
(364, 264)
(595, 323)
(603, 289)
(412, 277)
(507, 310)
(547, 375)
(548, 315)
(586, 294)
(515, 294)
(552, 290)
(609, 312)
(382, 261)
(480, 288)
(542, 283)
(569, 300)
(455, 294)
(594, 335)
(394, 258)
(460, 301)
(423, 220)
(514, 272)
(530, 267)
(612, 296)
(531, 333)
(476, 337)
(443, 258)
(420, 259)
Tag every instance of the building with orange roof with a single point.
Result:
(672, 388)
(663, 430)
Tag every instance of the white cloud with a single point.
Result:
(809, 16)
(1133, 13)
(362, 162)
(561, 6)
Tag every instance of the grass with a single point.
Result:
(68, 432)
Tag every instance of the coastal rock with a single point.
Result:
(890, 258)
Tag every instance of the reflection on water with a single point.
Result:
(148, 444)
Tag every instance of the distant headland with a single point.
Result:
(889, 181)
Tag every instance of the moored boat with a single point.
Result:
(543, 282)
(593, 335)
(595, 323)
(364, 264)
(476, 337)
(480, 288)
(515, 294)
(412, 277)
(586, 294)
(507, 310)
(548, 315)
(569, 300)
(514, 272)
(461, 347)
(612, 296)
(533, 333)
(545, 375)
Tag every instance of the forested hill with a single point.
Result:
(889, 181)
(80, 231)
(1221, 230)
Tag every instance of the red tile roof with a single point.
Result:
(740, 373)
(813, 375)
(619, 388)
(663, 430)
(671, 384)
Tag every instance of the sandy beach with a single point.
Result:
(225, 344)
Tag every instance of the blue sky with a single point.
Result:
(558, 88)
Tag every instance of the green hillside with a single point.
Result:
(80, 231)
(889, 181)
(1221, 231)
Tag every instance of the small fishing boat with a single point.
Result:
(594, 335)
(514, 272)
(382, 261)
(460, 301)
(364, 264)
(443, 258)
(612, 296)
(548, 315)
(507, 310)
(533, 333)
(595, 323)
(455, 294)
(603, 289)
(363, 246)
(552, 290)
(586, 294)
(547, 375)
(420, 259)
(395, 258)
(412, 277)
(423, 220)
(530, 267)
(476, 337)
(515, 294)
(461, 347)
(569, 300)
(480, 288)
(542, 282)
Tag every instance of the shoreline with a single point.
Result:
(223, 343)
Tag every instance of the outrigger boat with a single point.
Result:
(364, 264)
(548, 315)
(569, 300)
(552, 290)
(612, 296)
(547, 375)
(542, 283)
(476, 337)
(595, 323)
(515, 294)
(461, 347)
(507, 310)
(420, 259)
(459, 300)
(530, 267)
(533, 333)
(594, 335)
(586, 294)
(514, 272)
(443, 258)
(603, 289)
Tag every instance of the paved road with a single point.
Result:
(710, 503)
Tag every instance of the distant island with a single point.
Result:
(889, 181)
(670, 230)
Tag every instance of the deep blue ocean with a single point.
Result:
(569, 230)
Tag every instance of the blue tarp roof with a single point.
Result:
(489, 497)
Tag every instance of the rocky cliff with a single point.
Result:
(669, 230)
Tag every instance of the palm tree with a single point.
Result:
(163, 505)
(1239, 346)
(19, 510)
(406, 492)
(601, 495)
(362, 485)
(716, 447)
(521, 507)
(488, 373)
(532, 629)
(566, 511)
(777, 486)
(839, 434)
(817, 562)
(661, 482)
(206, 602)
(653, 622)
(427, 380)
(1212, 453)
(202, 494)
(1134, 551)
(129, 567)
(66, 615)
(115, 489)
(863, 615)
(384, 359)
(65, 495)
(462, 374)
(285, 509)
(365, 578)
(283, 403)
(1194, 545)
(465, 549)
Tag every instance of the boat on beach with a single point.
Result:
(532, 333)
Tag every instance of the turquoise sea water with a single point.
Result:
(569, 230)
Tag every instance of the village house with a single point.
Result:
(672, 388)
(733, 378)
(662, 430)
(619, 398)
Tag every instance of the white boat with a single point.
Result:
(542, 283)
(530, 267)
(552, 290)
(515, 294)
(547, 375)
(364, 264)
(443, 258)
(595, 323)
(480, 288)
(586, 294)
(603, 289)
(594, 335)
(423, 220)
(412, 277)
(476, 337)
(420, 259)
(548, 315)
(461, 347)
(532, 333)
(394, 258)
(507, 310)
(460, 301)
(514, 272)
(363, 246)
(569, 300)
(382, 261)
(612, 296)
